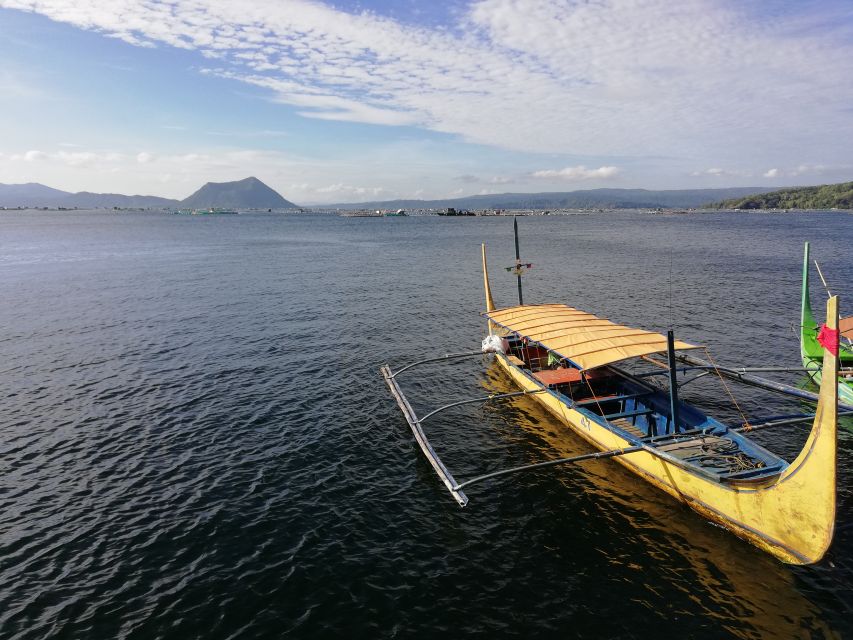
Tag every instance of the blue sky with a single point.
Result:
(355, 101)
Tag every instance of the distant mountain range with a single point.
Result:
(589, 199)
(249, 193)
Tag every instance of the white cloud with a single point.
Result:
(577, 173)
(809, 169)
(471, 179)
(263, 133)
(83, 158)
(34, 156)
(346, 190)
(771, 173)
(635, 77)
(713, 171)
(144, 157)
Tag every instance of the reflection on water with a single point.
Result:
(720, 576)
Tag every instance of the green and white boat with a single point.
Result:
(811, 351)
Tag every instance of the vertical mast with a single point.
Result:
(673, 382)
(517, 260)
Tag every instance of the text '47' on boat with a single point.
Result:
(577, 366)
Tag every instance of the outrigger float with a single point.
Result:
(571, 362)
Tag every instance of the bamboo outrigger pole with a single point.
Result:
(755, 381)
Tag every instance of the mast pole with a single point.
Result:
(673, 381)
(517, 260)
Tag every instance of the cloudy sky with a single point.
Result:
(380, 99)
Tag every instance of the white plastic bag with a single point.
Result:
(494, 344)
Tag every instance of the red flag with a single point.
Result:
(828, 338)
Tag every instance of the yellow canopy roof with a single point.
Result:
(582, 338)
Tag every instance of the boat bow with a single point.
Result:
(806, 491)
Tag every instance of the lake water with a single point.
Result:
(196, 442)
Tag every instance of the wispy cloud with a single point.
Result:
(263, 133)
(716, 172)
(811, 170)
(580, 172)
(12, 85)
(32, 156)
(647, 77)
(471, 179)
(347, 191)
(67, 158)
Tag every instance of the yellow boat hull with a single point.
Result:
(792, 517)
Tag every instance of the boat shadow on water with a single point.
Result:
(645, 535)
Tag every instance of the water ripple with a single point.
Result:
(196, 441)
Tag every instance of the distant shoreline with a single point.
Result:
(365, 213)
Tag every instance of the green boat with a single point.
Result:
(811, 350)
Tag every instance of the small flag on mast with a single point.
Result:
(519, 268)
(828, 339)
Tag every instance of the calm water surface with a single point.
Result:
(195, 441)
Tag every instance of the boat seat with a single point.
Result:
(518, 362)
(552, 377)
(599, 399)
(625, 425)
(566, 375)
(627, 414)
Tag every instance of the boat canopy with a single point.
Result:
(583, 339)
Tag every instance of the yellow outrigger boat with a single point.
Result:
(568, 360)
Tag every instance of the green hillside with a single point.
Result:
(827, 196)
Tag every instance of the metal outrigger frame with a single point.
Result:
(416, 423)
(648, 444)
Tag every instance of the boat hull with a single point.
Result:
(792, 518)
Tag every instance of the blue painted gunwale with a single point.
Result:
(774, 464)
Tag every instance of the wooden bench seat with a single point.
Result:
(551, 377)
